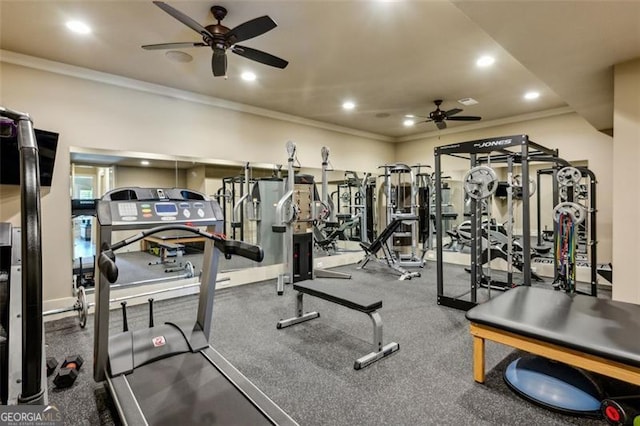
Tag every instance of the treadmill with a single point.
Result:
(169, 374)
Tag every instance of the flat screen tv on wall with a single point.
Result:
(10, 157)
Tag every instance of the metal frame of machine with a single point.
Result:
(516, 149)
(26, 351)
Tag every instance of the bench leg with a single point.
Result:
(282, 279)
(478, 359)
(300, 315)
(379, 351)
(364, 261)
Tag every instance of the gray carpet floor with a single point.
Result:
(308, 370)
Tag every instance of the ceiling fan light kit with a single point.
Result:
(220, 38)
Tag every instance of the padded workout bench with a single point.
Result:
(337, 293)
(593, 334)
(176, 239)
(381, 243)
(168, 250)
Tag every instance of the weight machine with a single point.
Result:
(286, 215)
(327, 228)
(480, 183)
(401, 198)
(234, 193)
(357, 195)
(296, 213)
(265, 194)
(424, 187)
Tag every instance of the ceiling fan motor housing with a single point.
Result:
(220, 38)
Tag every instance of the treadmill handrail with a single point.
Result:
(106, 261)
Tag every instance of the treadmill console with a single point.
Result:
(149, 207)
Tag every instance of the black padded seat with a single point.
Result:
(340, 294)
(599, 327)
(542, 249)
(386, 233)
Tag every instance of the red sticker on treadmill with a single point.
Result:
(159, 341)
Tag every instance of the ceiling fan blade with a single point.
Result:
(219, 63)
(452, 112)
(260, 56)
(465, 118)
(250, 29)
(441, 125)
(183, 18)
(172, 46)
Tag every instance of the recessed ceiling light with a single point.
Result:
(248, 76)
(531, 95)
(349, 105)
(409, 116)
(144, 162)
(178, 56)
(78, 27)
(409, 122)
(485, 61)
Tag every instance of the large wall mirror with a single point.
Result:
(173, 255)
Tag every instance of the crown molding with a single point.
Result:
(491, 123)
(157, 89)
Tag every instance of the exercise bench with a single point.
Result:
(381, 243)
(337, 293)
(594, 334)
(168, 250)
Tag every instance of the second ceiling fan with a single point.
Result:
(439, 117)
(220, 38)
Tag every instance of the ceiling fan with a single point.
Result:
(220, 38)
(438, 116)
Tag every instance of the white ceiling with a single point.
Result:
(391, 57)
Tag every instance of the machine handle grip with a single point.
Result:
(231, 247)
(227, 247)
(107, 265)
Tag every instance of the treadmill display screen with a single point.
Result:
(166, 209)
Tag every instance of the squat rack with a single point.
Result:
(506, 149)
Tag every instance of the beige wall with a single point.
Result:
(626, 175)
(575, 139)
(96, 115)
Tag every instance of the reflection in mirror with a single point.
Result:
(88, 182)
(247, 197)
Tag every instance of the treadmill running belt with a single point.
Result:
(188, 389)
